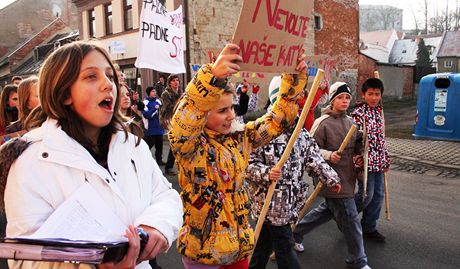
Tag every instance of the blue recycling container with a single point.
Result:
(438, 107)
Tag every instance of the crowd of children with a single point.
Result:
(86, 128)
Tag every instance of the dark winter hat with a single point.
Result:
(337, 89)
(149, 89)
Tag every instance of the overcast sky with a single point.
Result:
(4, 3)
(416, 7)
(410, 7)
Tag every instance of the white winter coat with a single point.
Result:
(55, 165)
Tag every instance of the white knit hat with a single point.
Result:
(337, 89)
(273, 89)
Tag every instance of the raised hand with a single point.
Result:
(227, 63)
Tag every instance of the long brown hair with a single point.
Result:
(24, 96)
(6, 117)
(57, 74)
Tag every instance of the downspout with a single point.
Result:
(187, 41)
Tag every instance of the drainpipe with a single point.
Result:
(187, 40)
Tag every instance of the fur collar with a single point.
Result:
(9, 152)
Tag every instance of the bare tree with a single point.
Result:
(457, 16)
(447, 14)
(415, 20)
(425, 12)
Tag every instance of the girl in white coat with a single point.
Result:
(82, 141)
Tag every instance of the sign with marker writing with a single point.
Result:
(271, 34)
(161, 39)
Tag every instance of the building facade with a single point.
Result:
(449, 53)
(210, 25)
(23, 19)
(115, 25)
(379, 17)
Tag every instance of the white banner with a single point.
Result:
(161, 39)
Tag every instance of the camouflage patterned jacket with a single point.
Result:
(291, 189)
(212, 166)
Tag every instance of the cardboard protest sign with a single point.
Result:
(210, 55)
(271, 34)
(161, 39)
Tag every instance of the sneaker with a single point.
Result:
(364, 267)
(299, 247)
(374, 236)
(170, 172)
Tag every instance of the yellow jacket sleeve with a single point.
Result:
(282, 115)
(190, 116)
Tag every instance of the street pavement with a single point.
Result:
(423, 233)
(430, 157)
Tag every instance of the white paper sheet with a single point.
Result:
(83, 216)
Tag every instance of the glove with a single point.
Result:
(255, 89)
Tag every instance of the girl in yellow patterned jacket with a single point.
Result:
(212, 159)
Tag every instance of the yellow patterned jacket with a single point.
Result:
(212, 166)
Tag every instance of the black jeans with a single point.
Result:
(157, 141)
(170, 161)
(281, 240)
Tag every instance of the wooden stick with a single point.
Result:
(366, 151)
(387, 202)
(310, 199)
(385, 181)
(286, 153)
(365, 159)
(347, 138)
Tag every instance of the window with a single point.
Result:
(448, 64)
(108, 19)
(128, 14)
(318, 22)
(91, 22)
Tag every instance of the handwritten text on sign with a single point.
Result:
(271, 34)
(161, 38)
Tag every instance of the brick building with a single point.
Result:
(27, 51)
(339, 37)
(22, 19)
(334, 32)
(210, 24)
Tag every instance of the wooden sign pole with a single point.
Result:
(286, 153)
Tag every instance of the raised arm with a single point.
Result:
(284, 110)
(201, 95)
